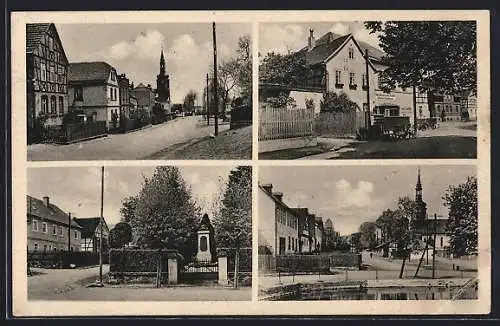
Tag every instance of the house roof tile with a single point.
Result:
(89, 71)
(33, 34)
(36, 207)
(89, 225)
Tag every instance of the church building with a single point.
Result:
(163, 85)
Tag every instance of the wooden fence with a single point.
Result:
(283, 122)
(340, 124)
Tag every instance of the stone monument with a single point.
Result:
(205, 236)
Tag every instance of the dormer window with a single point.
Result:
(113, 77)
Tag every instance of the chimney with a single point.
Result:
(311, 42)
(268, 187)
(278, 195)
(46, 201)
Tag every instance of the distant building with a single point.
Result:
(94, 89)
(163, 85)
(469, 105)
(91, 228)
(145, 96)
(124, 98)
(50, 228)
(47, 75)
(446, 107)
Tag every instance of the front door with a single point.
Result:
(282, 246)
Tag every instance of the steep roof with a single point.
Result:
(36, 207)
(89, 224)
(89, 71)
(34, 33)
(278, 201)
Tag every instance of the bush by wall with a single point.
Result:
(64, 259)
(139, 261)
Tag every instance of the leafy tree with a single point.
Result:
(287, 70)
(165, 214)
(233, 222)
(128, 209)
(120, 235)
(368, 237)
(189, 101)
(462, 227)
(433, 55)
(333, 102)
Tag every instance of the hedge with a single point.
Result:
(64, 259)
(137, 261)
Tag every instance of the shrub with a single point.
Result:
(282, 100)
(333, 102)
(139, 260)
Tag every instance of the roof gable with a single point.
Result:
(89, 225)
(34, 33)
(89, 71)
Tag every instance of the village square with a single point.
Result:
(139, 234)
(138, 92)
(368, 90)
(368, 233)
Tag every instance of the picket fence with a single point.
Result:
(283, 122)
(340, 124)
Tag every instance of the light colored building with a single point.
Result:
(278, 223)
(469, 104)
(93, 88)
(91, 233)
(50, 228)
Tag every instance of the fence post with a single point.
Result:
(172, 270)
(222, 268)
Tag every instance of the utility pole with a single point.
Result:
(427, 239)
(368, 89)
(216, 97)
(415, 110)
(69, 231)
(434, 249)
(101, 226)
(207, 104)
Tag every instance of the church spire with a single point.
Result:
(162, 62)
(418, 188)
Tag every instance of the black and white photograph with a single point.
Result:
(368, 233)
(138, 91)
(368, 90)
(162, 233)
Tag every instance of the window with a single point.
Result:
(363, 80)
(44, 227)
(44, 72)
(289, 243)
(53, 105)
(61, 230)
(79, 93)
(111, 93)
(441, 241)
(351, 53)
(35, 246)
(113, 77)
(351, 78)
(54, 230)
(44, 248)
(51, 44)
(338, 77)
(34, 225)
(75, 234)
(61, 105)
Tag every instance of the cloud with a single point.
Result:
(348, 196)
(143, 46)
(340, 29)
(281, 39)
(363, 34)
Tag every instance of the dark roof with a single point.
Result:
(141, 85)
(276, 200)
(89, 71)
(327, 44)
(34, 33)
(36, 207)
(89, 224)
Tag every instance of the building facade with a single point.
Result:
(91, 233)
(446, 107)
(50, 228)
(94, 90)
(145, 96)
(278, 223)
(46, 73)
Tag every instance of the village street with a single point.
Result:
(134, 145)
(71, 284)
(453, 139)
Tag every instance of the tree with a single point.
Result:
(333, 102)
(368, 237)
(189, 101)
(165, 214)
(128, 209)
(233, 222)
(244, 74)
(120, 235)
(462, 227)
(433, 55)
(286, 70)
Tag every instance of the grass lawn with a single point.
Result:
(232, 144)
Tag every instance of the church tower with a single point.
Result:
(163, 82)
(421, 205)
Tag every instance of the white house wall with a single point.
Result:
(266, 221)
(300, 98)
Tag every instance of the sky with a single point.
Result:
(134, 49)
(284, 37)
(78, 189)
(352, 195)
